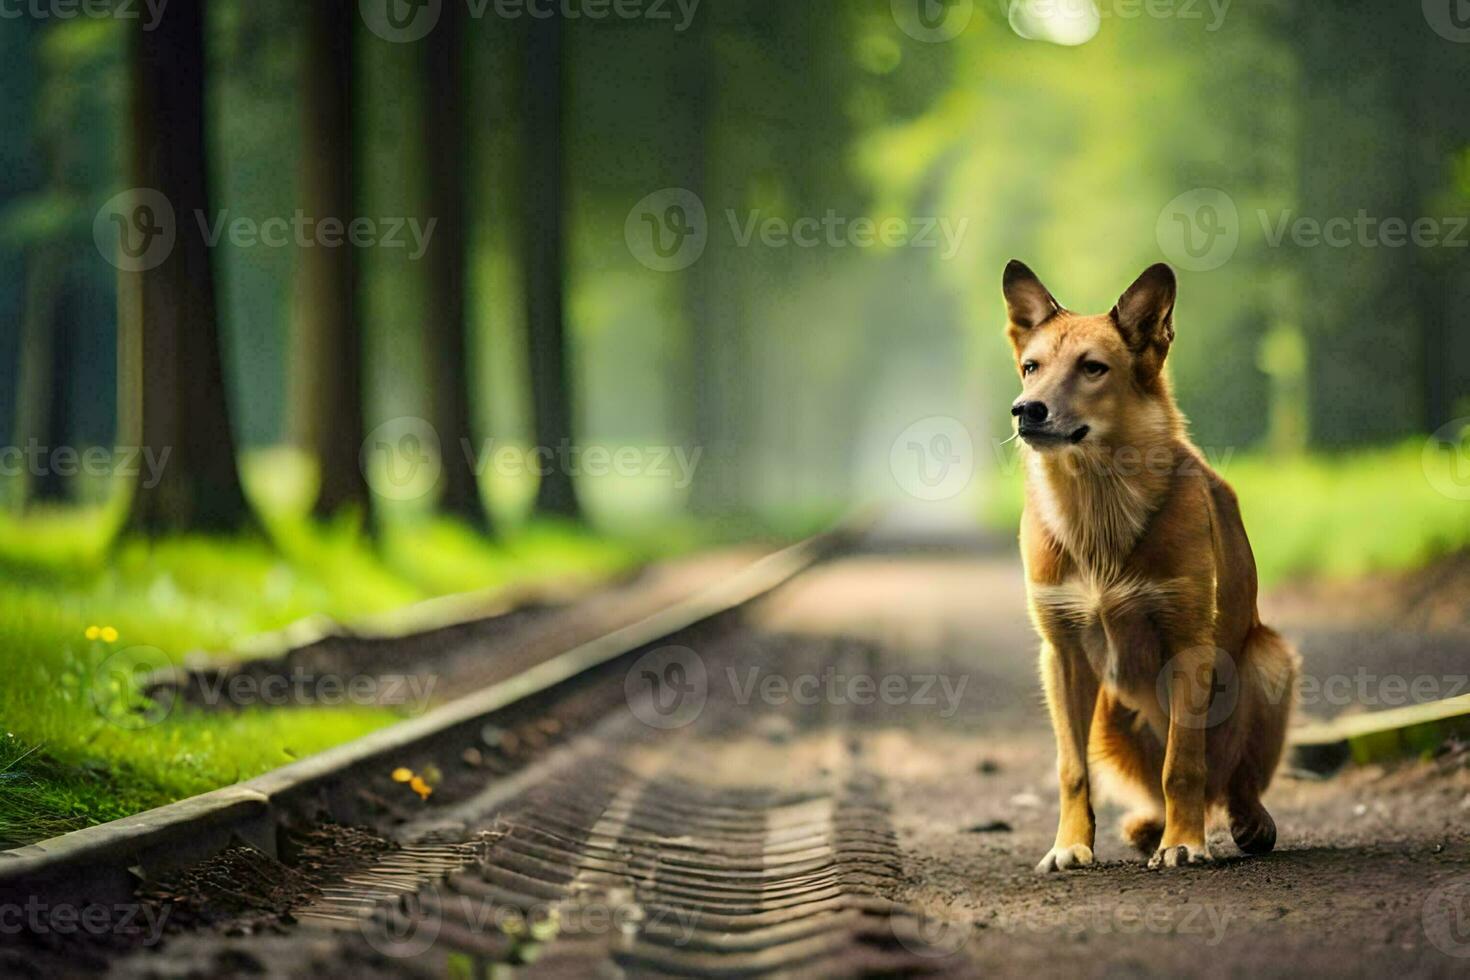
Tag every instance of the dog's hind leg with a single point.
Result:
(1267, 690)
(1132, 759)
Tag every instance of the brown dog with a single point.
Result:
(1141, 582)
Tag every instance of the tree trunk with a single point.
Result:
(711, 305)
(22, 272)
(545, 265)
(170, 362)
(446, 323)
(46, 371)
(1437, 114)
(327, 363)
(1363, 320)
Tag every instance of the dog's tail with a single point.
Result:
(1268, 671)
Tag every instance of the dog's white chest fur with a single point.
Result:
(1109, 616)
(1097, 519)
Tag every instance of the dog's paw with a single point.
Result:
(1144, 831)
(1254, 831)
(1065, 859)
(1181, 855)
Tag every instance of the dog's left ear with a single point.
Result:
(1145, 318)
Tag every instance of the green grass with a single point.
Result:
(1331, 517)
(75, 748)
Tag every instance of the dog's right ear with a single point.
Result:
(1028, 303)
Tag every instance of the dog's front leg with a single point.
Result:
(1071, 694)
(1188, 685)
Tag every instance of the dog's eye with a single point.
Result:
(1029, 368)
(1094, 369)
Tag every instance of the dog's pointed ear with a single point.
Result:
(1028, 303)
(1145, 317)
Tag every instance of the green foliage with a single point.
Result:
(1343, 515)
(70, 753)
(1327, 516)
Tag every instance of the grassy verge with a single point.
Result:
(1329, 516)
(77, 745)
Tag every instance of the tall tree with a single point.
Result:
(1434, 98)
(710, 385)
(170, 363)
(544, 262)
(46, 367)
(20, 174)
(1358, 155)
(65, 367)
(446, 324)
(327, 363)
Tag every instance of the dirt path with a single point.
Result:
(1371, 876)
(856, 780)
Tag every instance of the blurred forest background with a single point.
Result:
(788, 365)
(1062, 132)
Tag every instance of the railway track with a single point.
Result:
(742, 843)
(703, 795)
(623, 809)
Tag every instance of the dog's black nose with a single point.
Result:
(1033, 413)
